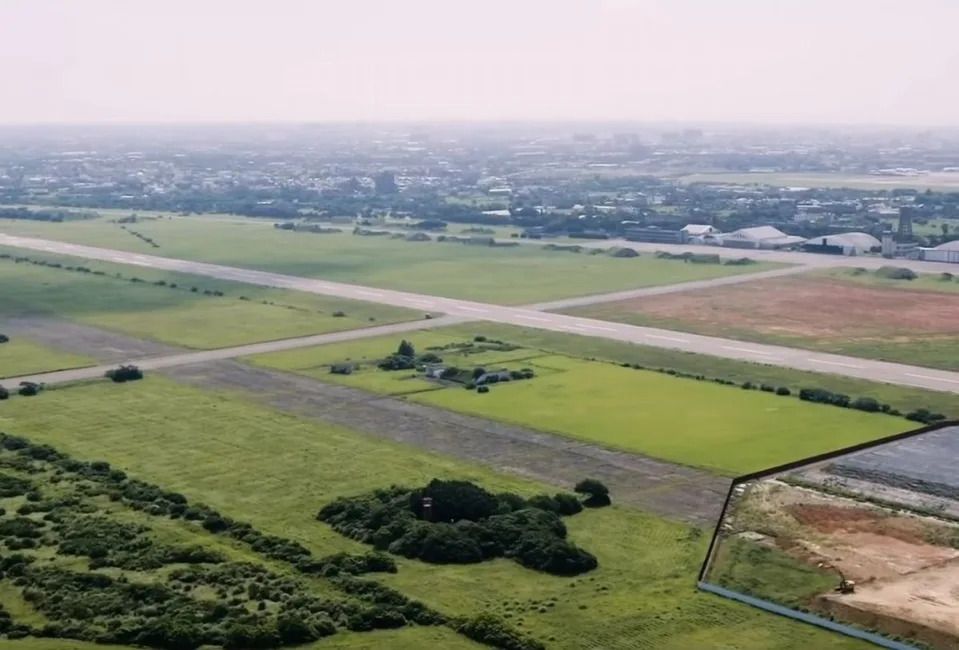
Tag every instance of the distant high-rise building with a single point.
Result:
(385, 183)
(905, 223)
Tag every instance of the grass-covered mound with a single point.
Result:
(457, 522)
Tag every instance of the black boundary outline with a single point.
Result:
(811, 460)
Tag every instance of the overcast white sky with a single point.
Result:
(865, 61)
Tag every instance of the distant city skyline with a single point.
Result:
(789, 62)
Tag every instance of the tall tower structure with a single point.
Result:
(905, 223)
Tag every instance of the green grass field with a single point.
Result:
(902, 397)
(940, 181)
(515, 275)
(19, 357)
(176, 315)
(722, 428)
(277, 470)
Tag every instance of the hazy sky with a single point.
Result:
(873, 61)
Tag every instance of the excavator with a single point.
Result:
(844, 586)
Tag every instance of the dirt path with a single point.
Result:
(99, 344)
(674, 491)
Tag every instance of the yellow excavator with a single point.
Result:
(844, 586)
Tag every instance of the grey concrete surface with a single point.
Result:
(881, 371)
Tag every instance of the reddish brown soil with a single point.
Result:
(831, 519)
(806, 307)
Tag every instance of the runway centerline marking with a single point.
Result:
(931, 378)
(835, 363)
(665, 338)
(749, 350)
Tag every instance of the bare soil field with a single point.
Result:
(673, 491)
(814, 312)
(906, 567)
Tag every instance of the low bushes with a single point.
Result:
(4, 338)
(491, 630)
(817, 395)
(124, 373)
(459, 522)
(896, 273)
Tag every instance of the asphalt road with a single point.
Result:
(465, 310)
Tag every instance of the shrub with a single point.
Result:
(4, 338)
(896, 273)
(405, 349)
(767, 388)
(491, 630)
(747, 385)
(867, 404)
(29, 389)
(782, 390)
(339, 314)
(924, 416)
(823, 396)
(4, 393)
(124, 373)
(341, 369)
(482, 389)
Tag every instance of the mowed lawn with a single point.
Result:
(275, 470)
(20, 357)
(180, 316)
(721, 428)
(852, 312)
(513, 275)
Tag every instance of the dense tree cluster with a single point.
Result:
(459, 522)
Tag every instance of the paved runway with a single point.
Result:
(530, 316)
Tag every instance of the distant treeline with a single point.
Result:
(47, 214)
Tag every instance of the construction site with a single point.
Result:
(864, 542)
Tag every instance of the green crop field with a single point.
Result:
(722, 428)
(277, 470)
(175, 314)
(507, 275)
(19, 357)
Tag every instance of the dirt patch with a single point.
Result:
(866, 542)
(921, 605)
(806, 307)
(99, 344)
(673, 491)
